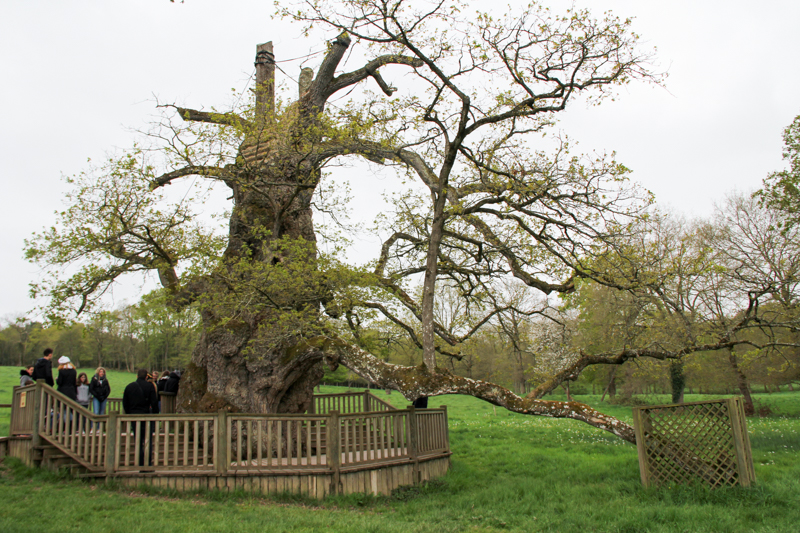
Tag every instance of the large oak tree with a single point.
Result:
(464, 105)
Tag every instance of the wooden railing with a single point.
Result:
(231, 442)
(114, 404)
(375, 437)
(167, 442)
(277, 442)
(348, 402)
(72, 428)
(432, 431)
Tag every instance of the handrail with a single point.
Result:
(377, 404)
(72, 428)
(348, 402)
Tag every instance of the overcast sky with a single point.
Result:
(78, 76)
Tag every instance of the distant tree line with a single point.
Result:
(146, 334)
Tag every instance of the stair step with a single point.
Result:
(57, 457)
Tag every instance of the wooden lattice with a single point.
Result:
(701, 442)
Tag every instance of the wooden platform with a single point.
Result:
(335, 449)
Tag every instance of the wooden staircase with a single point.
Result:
(52, 458)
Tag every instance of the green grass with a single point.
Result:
(509, 473)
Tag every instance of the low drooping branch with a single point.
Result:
(414, 382)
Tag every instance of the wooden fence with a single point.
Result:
(703, 442)
(165, 443)
(222, 444)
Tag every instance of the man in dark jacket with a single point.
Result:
(43, 369)
(140, 398)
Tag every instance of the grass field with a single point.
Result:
(509, 473)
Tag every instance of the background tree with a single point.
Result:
(781, 189)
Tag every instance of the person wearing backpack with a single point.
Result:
(140, 398)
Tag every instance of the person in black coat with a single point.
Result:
(99, 389)
(162, 381)
(67, 378)
(43, 369)
(173, 382)
(140, 398)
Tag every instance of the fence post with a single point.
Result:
(412, 442)
(36, 439)
(743, 461)
(167, 402)
(446, 430)
(334, 450)
(641, 448)
(111, 442)
(366, 401)
(221, 446)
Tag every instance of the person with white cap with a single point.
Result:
(67, 378)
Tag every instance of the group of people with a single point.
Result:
(96, 391)
(142, 396)
(75, 386)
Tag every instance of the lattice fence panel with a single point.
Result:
(703, 442)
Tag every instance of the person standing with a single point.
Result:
(100, 389)
(173, 382)
(25, 378)
(161, 383)
(82, 388)
(67, 378)
(43, 369)
(140, 398)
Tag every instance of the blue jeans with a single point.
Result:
(99, 407)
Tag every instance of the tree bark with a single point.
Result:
(611, 388)
(413, 382)
(677, 380)
(742, 384)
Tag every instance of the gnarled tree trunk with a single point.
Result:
(244, 359)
